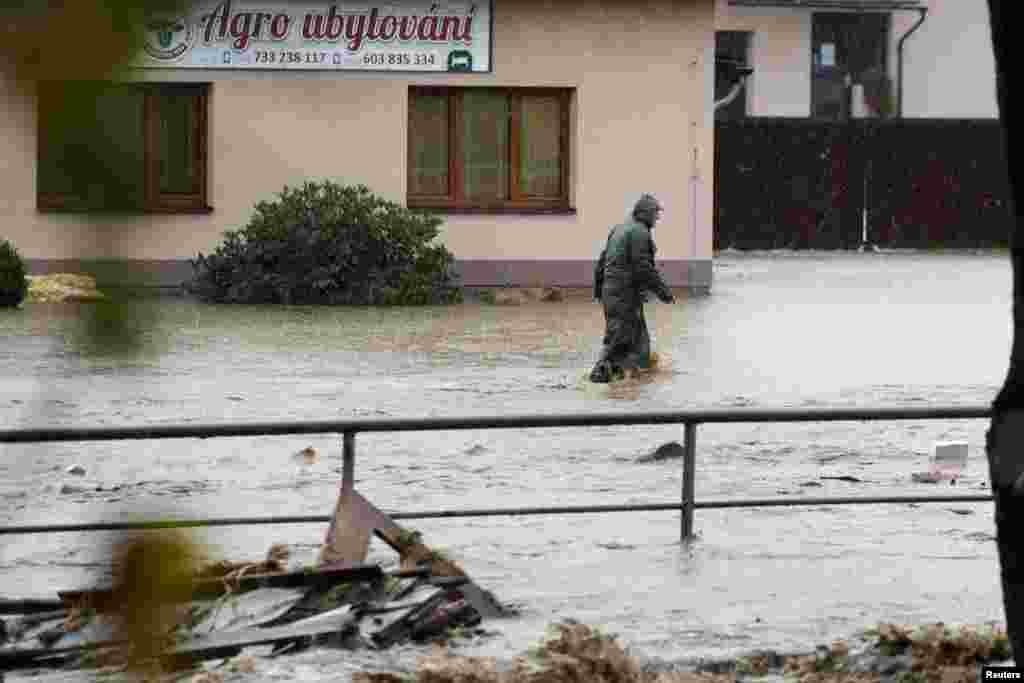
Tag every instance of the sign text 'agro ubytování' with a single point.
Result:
(402, 35)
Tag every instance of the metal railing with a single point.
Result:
(350, 428)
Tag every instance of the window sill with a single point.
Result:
(201, 210)
(496, 210)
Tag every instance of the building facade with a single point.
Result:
(530, 124)
(809, 56)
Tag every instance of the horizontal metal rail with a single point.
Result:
(349, 429)
(205, 431)
(501, 512)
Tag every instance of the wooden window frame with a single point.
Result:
(154, 200)
(518, 201)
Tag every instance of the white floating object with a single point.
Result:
(947, 464)
(76, 470)
(949, 460)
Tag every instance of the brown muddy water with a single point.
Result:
(779, 330)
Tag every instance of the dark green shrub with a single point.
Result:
(13, 283)
(328, 243)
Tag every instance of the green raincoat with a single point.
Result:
(625, 272)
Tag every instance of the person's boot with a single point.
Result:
(616, 373)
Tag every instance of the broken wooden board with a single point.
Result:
(12, 660)
(30, 606)
(214, 646)
(229, 644)
(389, 627)
(102, 599)
(361, 513)
(347, 541)
(254, 608)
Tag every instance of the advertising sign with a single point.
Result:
(401, 35)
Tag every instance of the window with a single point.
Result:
(731, 47)
(848, 48)
(488, 149)
(139, 147)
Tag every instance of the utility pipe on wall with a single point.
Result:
(899, 56)
(733, 94)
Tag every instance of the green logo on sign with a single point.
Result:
(168, 38)
(460, 60)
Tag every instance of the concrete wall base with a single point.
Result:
(171, 274)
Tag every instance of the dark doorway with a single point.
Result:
(847, 48)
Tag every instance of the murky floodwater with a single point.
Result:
(780, 330)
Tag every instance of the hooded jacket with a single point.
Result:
(626, 266)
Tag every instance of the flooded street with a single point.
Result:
(779, 330)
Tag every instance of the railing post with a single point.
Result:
(348, 464)
(689, 470)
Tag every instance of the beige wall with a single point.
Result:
(948, 69)
(641, 122)
(780, 49)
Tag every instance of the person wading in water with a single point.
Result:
(624, 273)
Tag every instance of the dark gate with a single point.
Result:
(917, 183)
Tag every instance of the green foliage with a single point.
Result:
(1001, 649)
(104, 37)
(392, 585)
(439, 555)
(409, 537)
(335, 596)
(13, 282)
(831, 663)
(326, 243)
(113, 329)
(87, 660)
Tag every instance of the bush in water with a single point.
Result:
(334, 244)
(13, 283)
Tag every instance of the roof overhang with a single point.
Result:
(859, 5)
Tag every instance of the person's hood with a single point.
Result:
(646, 210)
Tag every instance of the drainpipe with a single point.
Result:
(736, 70)
(899, 55)
(733, 94)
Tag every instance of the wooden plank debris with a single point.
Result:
(103, 599)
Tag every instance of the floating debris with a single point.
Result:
(307, 456)
(63, 287)
(669, 451)
(576, 652)
(218, 610)
(615, 545)
(947, 464)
